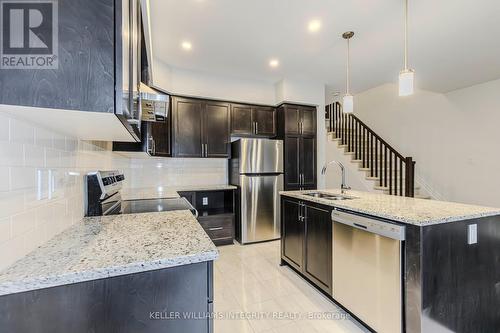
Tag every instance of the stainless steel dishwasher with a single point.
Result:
(367, 269)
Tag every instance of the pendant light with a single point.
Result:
(407, 75)
(348, 99)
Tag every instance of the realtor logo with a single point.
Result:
(29, 36)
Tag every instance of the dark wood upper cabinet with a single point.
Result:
(241, 120)
(297, 129)
(158, 135)
(252, 120)
(308, 120)
(265, 120)
(307, 154)
(292, 163)
(296, 119)
(216, 129)
(98, 63)
(200, 128)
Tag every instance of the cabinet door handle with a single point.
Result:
(202, 150)
(215, 229)
(154, 146)
(256, 128)
(206, 149)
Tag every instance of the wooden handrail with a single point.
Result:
(374, 153)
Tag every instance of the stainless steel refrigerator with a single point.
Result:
(256, 167)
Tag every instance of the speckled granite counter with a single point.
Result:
(102, 247)
(419, 212)
(168, 192)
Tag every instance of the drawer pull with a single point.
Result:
(214, 229)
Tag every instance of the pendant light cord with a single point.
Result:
(347, 72)
(406, 35)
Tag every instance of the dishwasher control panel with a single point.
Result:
(372, 225)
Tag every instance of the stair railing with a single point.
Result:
(392, 169)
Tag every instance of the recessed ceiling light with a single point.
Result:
(274, 63)
(314, 25)
(186, 45)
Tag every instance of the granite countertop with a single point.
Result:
(420, 212)
(102, 247)
(168, 191)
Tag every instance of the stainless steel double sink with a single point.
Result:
(329, 196)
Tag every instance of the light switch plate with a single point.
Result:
(205, 201)
(472, 234)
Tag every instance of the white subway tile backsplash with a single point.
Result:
(23, 223)
(4, 179)
(4, 128)
(5, 232)
(21, 132)
(43, 138)
(34, 155)
(22, 178)
(41, 181)
(11, 203)
(11, 154)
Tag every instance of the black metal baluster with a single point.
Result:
(385, 166)
(371, 155)
(390, 172)
(376, 157)
(395, 174)
(400, 176)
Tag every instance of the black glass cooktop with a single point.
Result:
(153, 205)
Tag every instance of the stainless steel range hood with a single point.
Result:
(154, 104)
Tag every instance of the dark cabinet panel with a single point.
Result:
(292, 162)
(216, 129)
(318, 245)
(308, 161)
(241, 120)
(308, 121)
(299, 162)
(265, 121)
(200, 128)
(292, 120)
(159, 138)
(292, 233)
(187, 127)
(127, 304)
(85, 78)
(252, 120)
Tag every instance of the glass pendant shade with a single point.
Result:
(406, 82)
(348, 103)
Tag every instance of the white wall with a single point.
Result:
(453, 137)
(196, 84)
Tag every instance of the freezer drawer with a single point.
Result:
(260, 213)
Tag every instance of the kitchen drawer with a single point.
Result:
(218, 227)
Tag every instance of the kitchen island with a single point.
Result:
(121, 273)
(447, 257)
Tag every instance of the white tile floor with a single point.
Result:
(254, 294)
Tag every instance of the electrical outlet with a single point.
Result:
(205, 201)
(472, 234)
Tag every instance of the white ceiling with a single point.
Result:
(453, 43)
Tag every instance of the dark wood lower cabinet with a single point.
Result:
(318, 245)
(216, 213)
(140, 302)
(306, 240)
(292, 232)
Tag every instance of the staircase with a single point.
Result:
(390, 172)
